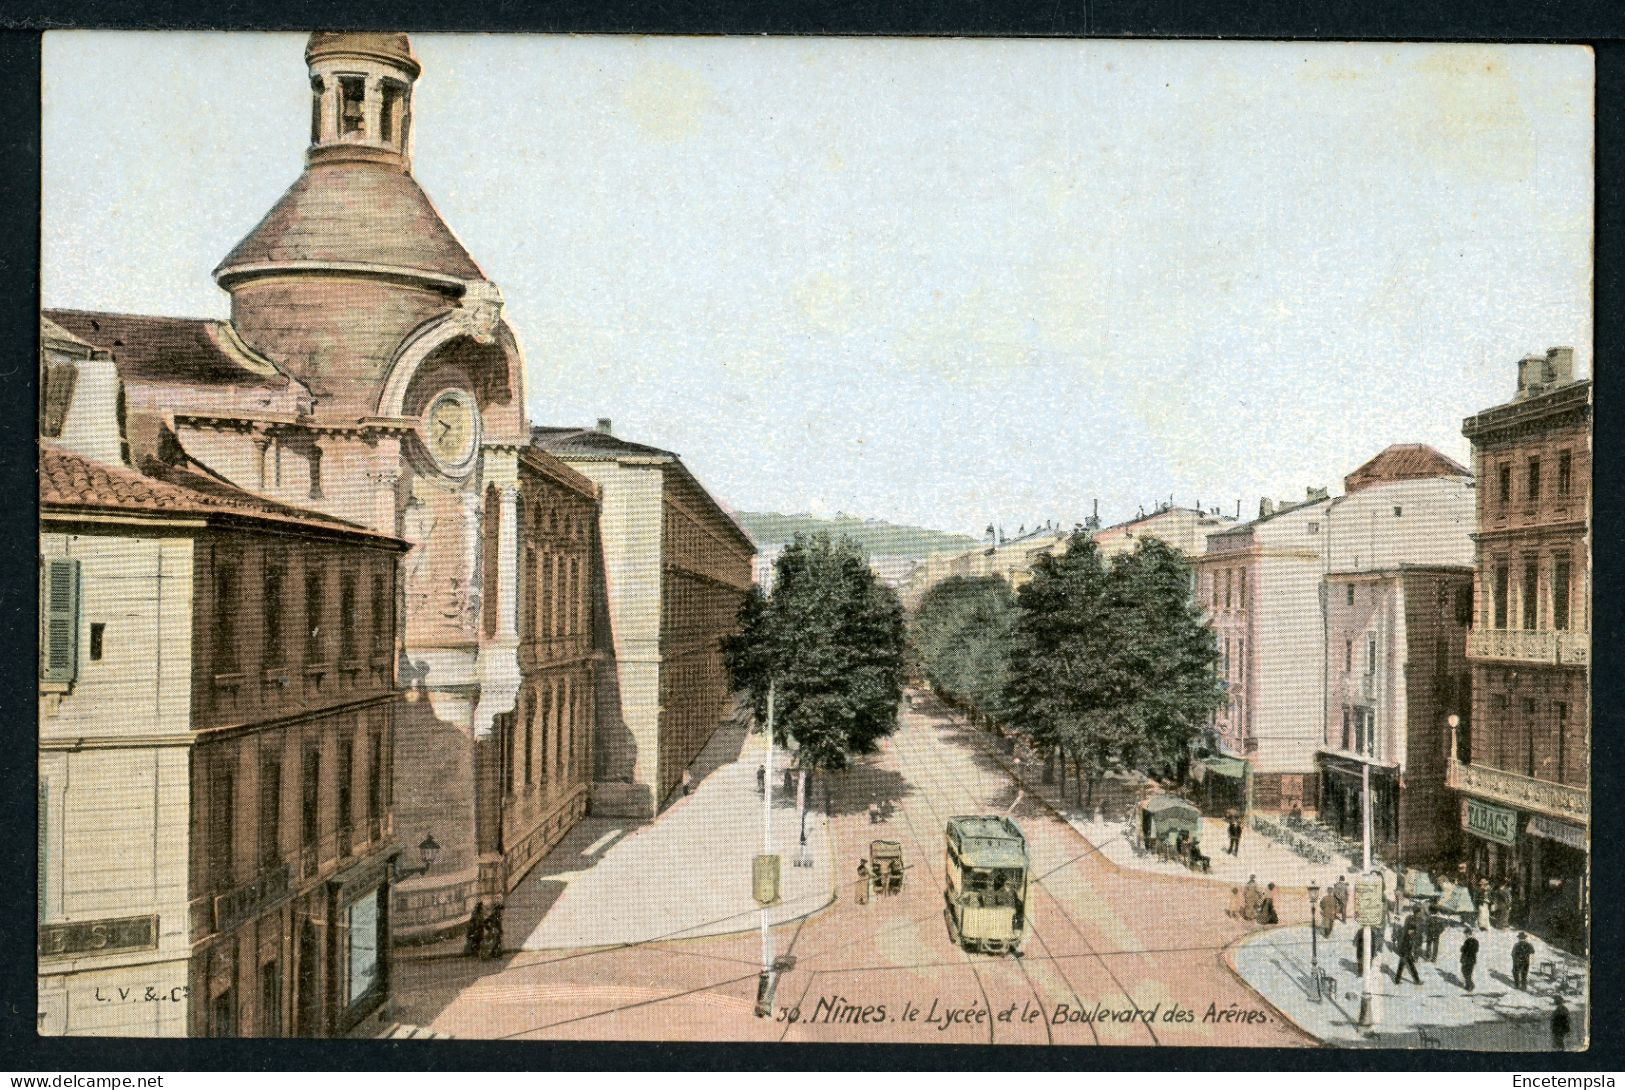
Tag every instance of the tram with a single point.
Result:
(989, 886)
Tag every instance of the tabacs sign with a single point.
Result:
(1492, 822)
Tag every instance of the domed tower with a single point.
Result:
(352, 279)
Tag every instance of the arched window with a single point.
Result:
(316, 109)
(352, 102)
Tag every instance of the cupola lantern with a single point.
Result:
(360, 94)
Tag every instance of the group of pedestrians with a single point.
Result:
(882, 880)
(1254, 903)
(484, 936)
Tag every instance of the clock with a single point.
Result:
(451, 431)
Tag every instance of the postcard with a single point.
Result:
(974, 541)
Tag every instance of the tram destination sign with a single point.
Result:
(1495, 823)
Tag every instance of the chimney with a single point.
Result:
(603, 426)
(1531, 369)
(1560, 366)
(1266, 507)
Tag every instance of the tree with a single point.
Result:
(961, 636)
(830, 639)
(1112, 668)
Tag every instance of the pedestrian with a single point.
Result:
(1328, 913)
(1252, 899)
(1560, 1025)
(1501, 907)
(1233, 828)
(874, 813)
(1237, 909)
(476, 931)
(1522, 951)
(896, 883)
(1341, 892)
(1434, 925)
(761, 779)
(863, 882)
(1405, 949)
(1266, 910)
(1469, 959)
(493, 933)
(1483, 904)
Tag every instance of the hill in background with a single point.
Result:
(873, 536)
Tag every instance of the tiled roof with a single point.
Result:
(69, 480)
(1404, 462)
(354, 213)
(590, 443)
(158, 349)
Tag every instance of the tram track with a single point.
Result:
(941, 822)
(1071, 921)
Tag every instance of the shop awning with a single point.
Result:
(1234, 767)
(1572, 836)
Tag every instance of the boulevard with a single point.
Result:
(1114, 957)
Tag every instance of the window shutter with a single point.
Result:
(60, 650)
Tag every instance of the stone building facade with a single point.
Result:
(366, 372)
(1522, 762)
(676, 570)
(218, 704)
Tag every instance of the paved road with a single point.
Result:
(1115, 957)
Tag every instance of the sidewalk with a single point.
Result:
(683, 875)
(1439, 1013)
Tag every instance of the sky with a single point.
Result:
(949, 283)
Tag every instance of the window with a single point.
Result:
(1351, 594)
(1500, 596)
(1348, 730)
(225, 619)
(270, 808)
(347, 633)
(1228, 574)
(1241, 587)
(1531, 583)
(346, 776)
(311, 799)
(352, 96)
(1348, 656)
(1534, 480)
(389, 111)
(98, 630)
(1505, 485)
(315, 109)
(527, 712)
(1371, 654)
(1313, 528)
(1398, 511)
(1561, 577)
(270, 999)
(1565, 473)
(375, 781)
(1529, 737)
(60, 647)
(508, 756)
(364, 924)
(383, 627)
(222, 824)
(223, 1015)
(314, 621)
(271, 608)
(1464, 605)
(42, 889)
(1561, 711)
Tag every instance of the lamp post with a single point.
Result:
(1314, 932)
(428, 850)
(1453, 721)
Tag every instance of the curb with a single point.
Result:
(1230, 963)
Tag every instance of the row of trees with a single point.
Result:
(1105, 667)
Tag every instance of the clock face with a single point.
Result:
(451, 429)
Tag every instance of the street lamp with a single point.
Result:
(1453, 721)
(1314, 943)
(427, 851)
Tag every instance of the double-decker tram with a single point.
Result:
(989, 886)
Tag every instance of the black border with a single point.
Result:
(1600, 23)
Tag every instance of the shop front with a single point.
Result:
(1541, 859)
(1342, 789)
(1223, 784)
(359, 944)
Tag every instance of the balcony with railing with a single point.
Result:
(1530, 645)
(1522, 792)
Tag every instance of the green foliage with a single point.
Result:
(830, 637)
(1113, 668)
(961, 638)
